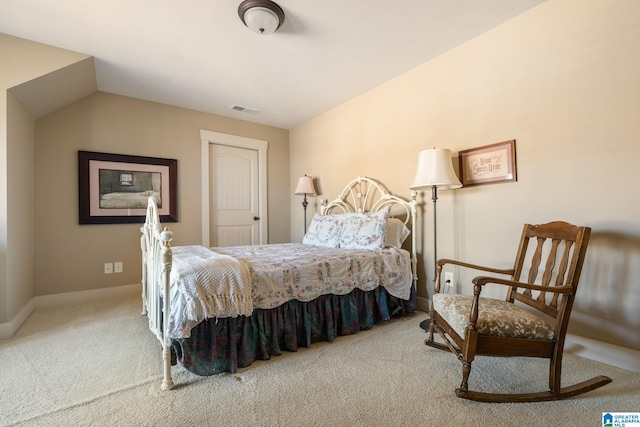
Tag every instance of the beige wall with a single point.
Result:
(20, 210)
(561, 79)
(43, 250)
(70, 257)
(22, 61)
(4, 283)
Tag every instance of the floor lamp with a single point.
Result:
(435, 171)
(304, 187)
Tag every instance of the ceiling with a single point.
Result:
(197, 54)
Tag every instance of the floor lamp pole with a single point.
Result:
(304, 206)
(434, 197)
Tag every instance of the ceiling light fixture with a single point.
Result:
(261, 16)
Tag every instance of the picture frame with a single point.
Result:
(488, 164)
(115, 188)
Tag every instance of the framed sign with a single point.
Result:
(488, 164)
(115, 189)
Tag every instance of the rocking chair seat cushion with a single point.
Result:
(495, 317)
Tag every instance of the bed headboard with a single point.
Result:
(368, 195)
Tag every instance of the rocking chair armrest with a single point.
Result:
(483, 280)
(443, 261)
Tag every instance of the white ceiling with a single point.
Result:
(197, 54)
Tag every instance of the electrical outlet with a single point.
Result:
(108, 267)
(117, 267)
(448, 278)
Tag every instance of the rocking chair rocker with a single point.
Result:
(477, 326)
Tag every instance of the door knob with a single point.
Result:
(256, 218)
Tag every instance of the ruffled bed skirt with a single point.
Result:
(224, 345)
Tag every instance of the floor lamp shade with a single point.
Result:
(435, 169)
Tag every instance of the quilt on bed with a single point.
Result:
(292, 271)
(210, 284)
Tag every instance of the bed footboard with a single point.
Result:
(156, 271)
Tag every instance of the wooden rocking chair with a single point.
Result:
(477, 326)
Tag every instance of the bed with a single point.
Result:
(217, 310)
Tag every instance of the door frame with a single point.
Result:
(208, 137)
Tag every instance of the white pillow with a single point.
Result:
(397, 232)
(324, 230)
(364, 230)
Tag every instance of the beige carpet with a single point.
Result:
(98, 364)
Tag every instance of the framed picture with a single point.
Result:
(488, 164)
(115, 189)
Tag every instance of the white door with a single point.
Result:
(207, 138)
(234, 198)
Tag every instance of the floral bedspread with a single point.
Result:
(293, 271)
(288, 271)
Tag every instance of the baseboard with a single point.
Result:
(8, 329)
(611, 354)
(82, 296)
(423, 304)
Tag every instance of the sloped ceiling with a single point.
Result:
(54, 90)
(197, 54)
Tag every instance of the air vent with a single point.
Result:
(244, 109)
